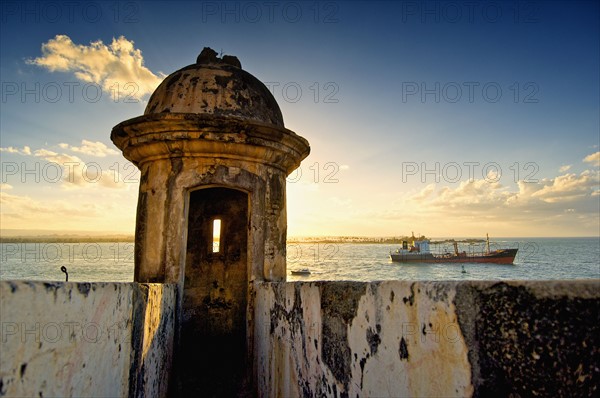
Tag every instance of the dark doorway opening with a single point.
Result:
(213, 329)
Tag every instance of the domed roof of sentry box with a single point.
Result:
(215, 86)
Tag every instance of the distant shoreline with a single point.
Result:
(66, 239)
(396, 240)
(293, 240)
(378, 240)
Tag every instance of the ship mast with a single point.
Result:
(487, 244)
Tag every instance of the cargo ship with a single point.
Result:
(418, 252)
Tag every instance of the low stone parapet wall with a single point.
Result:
(402, 338)
(85, 339)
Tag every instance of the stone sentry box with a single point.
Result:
(213, 154)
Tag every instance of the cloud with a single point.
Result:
(25, 151)
(118, 65)
(593, 159)
(73, 172)
(567, 187)
(97, 149)
(341, 202)
(473, 194)
(5, 187)
(20, 206)
(60, 158)
(91, 175)
(424, 193)
(72, 211)
(480, 197)
(564, 202)
(564, 168)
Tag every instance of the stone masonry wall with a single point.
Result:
(85, 339)
(402, 338)
(341, 339)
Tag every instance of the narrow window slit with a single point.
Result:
(216, 242)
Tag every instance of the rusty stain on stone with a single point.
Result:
(410, 299)
(339, 305)
(403, 350)
(84, 288)
(373, 340)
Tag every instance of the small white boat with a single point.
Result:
(303, 271)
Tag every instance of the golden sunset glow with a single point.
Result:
(397, 144)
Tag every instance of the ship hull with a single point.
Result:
(505, 256)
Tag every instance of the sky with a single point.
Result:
(446, 118)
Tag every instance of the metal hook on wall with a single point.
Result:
(64, 269)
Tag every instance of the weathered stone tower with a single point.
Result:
(213, 154)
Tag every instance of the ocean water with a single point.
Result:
(538, 258)
(85, 262)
